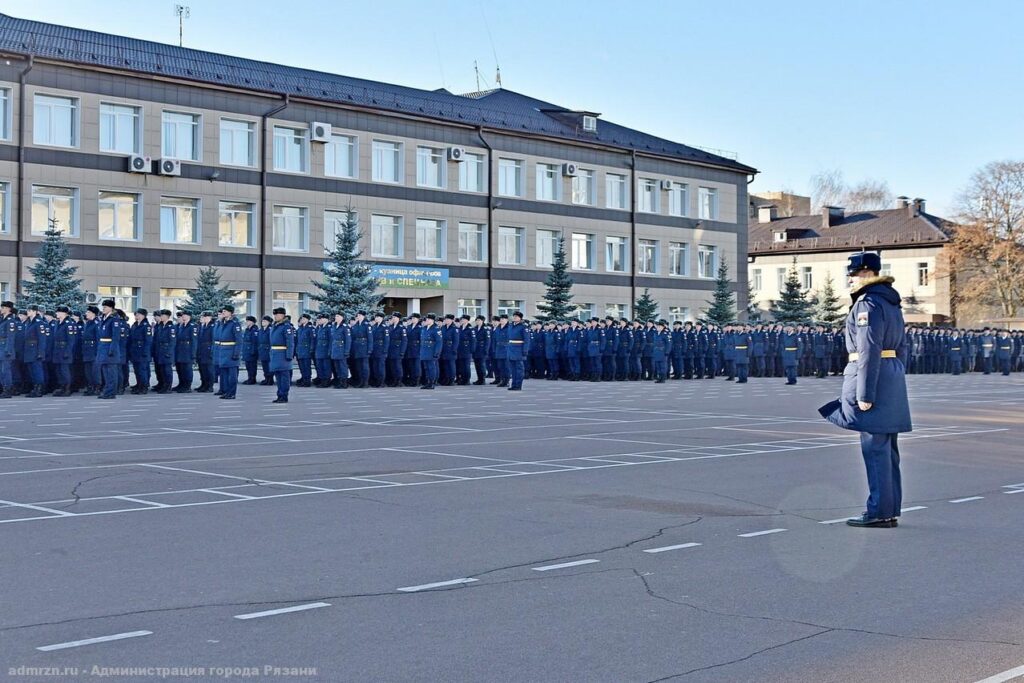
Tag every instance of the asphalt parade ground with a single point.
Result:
(685, 531)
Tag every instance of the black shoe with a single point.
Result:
(227, 396)
(872, 522)
(478, 383)
(427, 386)
(106, 397)
(186, 390)
(280, 400)
(249, 382)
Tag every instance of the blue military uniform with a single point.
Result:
(8, 349)
(204, 355)
(574, 343)
(660, 352)
(34, 342)
(398, 341)
(499, 352)
(518, 349)
(431, 341)
(263, 348)
(379, 343)
(282, 350)
(90, 338)
(341, 349)
(305, 348)
(790, 349)
(108, 352)
(552, 347)
(63, 338)
(464, 353)
(140, 352)
(1004, 352)
(449, 352)
(227, 353)
(186, 343)
(481, 347)
(411, 363)
(359, 354)
(250, 350)
(742, 343)
(322, 352)
(164, 347)
(875, 374)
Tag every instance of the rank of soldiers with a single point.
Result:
(61, 352)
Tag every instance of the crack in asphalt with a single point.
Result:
(822, 629)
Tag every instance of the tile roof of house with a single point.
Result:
(497, 109)
(886, 228)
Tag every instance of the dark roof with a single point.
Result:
(496, 109)
(886, 228)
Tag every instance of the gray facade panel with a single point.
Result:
(179, 257)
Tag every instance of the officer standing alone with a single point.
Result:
(874, 397)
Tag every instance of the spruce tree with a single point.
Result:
(828, 311)
(646, 308)
(346, 285)
(53, 281)
(208, 295)
(792, 306)
(722, 307)
(557, 303)
(753, 309)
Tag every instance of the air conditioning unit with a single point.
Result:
(570, 169)
(169, 167)
(92, 298)
(320, 132)
(666, 184)
(456, 153)
(138, 163)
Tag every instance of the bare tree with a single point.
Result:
(987, 252)
(827, 189)
(868, 195)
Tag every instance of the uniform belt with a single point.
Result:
(740, 348)
(955, 348)
(888, 353)
(791, 348)
(987, 345)
(1005, 348)
(225, 343)
(107, 340)
(278, 348)
(515, 341)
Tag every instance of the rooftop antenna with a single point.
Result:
(183, 12)
(497, 76)
(476, 70)
(494, 50)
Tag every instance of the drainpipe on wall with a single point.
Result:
(632, 231)
(20, 230)
(264, 223)
(490, 221)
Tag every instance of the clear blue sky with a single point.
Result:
(918, 93)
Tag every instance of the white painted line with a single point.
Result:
(564, 565)
(762, 533)
(59, 513)
(92, 641)
(1015, 491)
(439, 584)
(916, 507)
(283, 610)
(835, 521)
(139, 500)
(225, 493)
(666, 548)
(1008, 675)
(966, 500)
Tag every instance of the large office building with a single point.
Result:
(157, 160)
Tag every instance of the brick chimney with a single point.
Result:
(832, 215)
(902, 201)
(918, 206)
(767, 213)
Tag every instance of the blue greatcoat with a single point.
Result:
(874, 324)
(282, 346)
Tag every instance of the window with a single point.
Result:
(615, 254)
(430, 167)
(236, 225)
(583, 187)
(470, 307)
(549, 182)
(387, 161)
(647, 195)
(922, 274)
(172, 298)
(180, 136)
(616, 310)
(584, 311)
(582, 251)
(5, 208)
(119, 129)
(56, 121)
(589, 123)
(244, 302)
(291, 149)
(472, 242)
(780, 274)
(334, 223)
(179, 220)
(510, 246)
(237, 142)
(56, 207)
(679, 258)
(509, 306)
(547, 247)
(780, 235)
(681, 313)
(125, 298)
(886, 270)
(806, 277)
(118, 216)
(291, 228)
(755, 276)
(707, 261)
(679, 199)
(615, 191)
(471, 173)
(647, 257)
(340, 156)
(510, 177)
(430, 239)
(293, 303)
(707, 203)
(386, 236)
(5, 291)
(5, 115)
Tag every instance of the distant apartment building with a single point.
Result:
(913, 245)
(156, 160)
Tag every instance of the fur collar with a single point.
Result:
(876, 280)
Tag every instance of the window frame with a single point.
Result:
(478, 161)
(520, 240)
(520, 170)
(137, 128)
(622, 182)
(137, 218)
(517, 305)
(429, 155)
(622, 244)
(197, 130)
(713, 209)
(5, 207)
(300, 304)
(253, 223)
(73, 229)
(707, 249)
(679, 199)
(441, 228)
(555, 236)
(76, 121)
(6, 117)
(197, 221)
(303, 137)
(923, 271)
(122, 301)
(588, 241)
(399, 227)
(756, 279)
(807, 278)
(548, 176)
(684, 249)
(472, 310)
(250, 130)
(644, 246)
(589, 175)
(648, 188)
(480, 235)
(304, 237)
(399, 150)
(330, 149)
